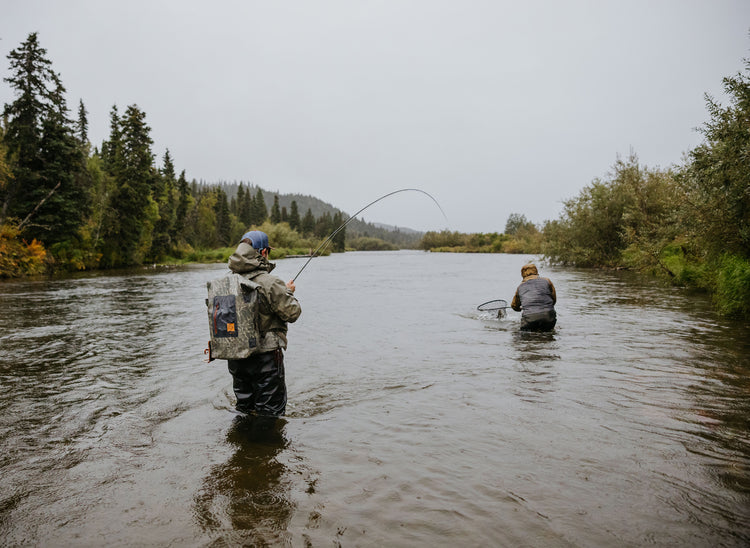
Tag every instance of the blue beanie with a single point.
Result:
(258, 239)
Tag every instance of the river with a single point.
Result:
(413, 418)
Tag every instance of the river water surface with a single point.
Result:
(413, 419)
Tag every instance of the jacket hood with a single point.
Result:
(247, 259)
(528, 270)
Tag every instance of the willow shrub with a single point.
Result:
(627, 220)
(366, 243)
(444, 239)
(527, 239)
(457, 242)
(590, 231)
(732, 291)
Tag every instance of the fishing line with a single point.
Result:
(328, 240)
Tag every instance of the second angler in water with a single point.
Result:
(535, 298)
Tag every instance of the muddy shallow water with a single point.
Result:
(413, 419)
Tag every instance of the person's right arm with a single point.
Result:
(515, 304)
(283, 302)
(552, 290)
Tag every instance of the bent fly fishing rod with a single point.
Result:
(328, 240)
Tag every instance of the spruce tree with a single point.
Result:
(167, 174)
(275, 210)
(134, 176)
(46, 192)
(82, 125)
(294, 220)
(339, 240)
(323, 226)
(244, 206)
(308, 223)
(62, 160)
(223, 220)
(112, 149)
(183, 202)
(33, 81)
(249, 208)
(250, 205)
(31, 78)
(260, 212)
(164, 196)
(240, 198)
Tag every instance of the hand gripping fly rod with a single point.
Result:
(327, 240)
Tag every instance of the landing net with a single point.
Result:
(497, 304)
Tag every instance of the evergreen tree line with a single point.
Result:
(217, 220)
(66, 204)
(287, 204)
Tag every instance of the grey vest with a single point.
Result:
(536, 296)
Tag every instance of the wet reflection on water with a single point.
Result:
(535, 357)
(246, 499)
(720, 426)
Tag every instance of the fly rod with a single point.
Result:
(341, 227)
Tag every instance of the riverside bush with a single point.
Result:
(18, 257)
(365, 243)
(732, 292)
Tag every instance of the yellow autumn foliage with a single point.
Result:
(18, 257)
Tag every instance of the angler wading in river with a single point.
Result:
(535, 298)
(258, 380)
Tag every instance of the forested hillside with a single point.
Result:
(67, 203)
(355, 229)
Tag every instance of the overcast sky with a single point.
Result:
(492, 107)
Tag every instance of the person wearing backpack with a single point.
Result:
(258, 381)
(535, 298)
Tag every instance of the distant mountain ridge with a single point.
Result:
(400, 236)
(394, 228)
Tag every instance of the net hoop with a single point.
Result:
(497, 304)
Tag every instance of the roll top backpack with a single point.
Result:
(232, 306)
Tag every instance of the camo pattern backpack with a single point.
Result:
(232, 305)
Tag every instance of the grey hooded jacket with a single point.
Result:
(535, 294)
(277, 304)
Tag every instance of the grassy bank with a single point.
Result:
(221, 255)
